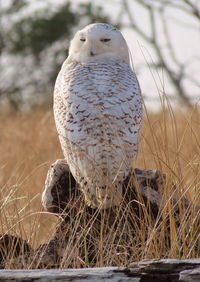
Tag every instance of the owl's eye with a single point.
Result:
(82, 39)
(105, 39)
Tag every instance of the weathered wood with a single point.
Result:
(169, 270)
(95, 274)
(190, 275)
(61, 187)
(142, 194)
(163, 270)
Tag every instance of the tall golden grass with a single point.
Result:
(170, 142)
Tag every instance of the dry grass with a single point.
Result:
(170, 142)
(28, 146)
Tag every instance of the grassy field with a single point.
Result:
(170, 142)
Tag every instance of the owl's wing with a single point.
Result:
(58, 89)
(59, 105)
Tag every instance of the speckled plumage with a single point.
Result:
(98, 113)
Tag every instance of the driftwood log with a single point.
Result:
(144, 271)
(80, 227)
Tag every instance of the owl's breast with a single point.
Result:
(98, 105)
(97, 94)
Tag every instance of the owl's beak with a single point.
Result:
(91, 48)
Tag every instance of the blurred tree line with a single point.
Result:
(34, 41)
(33, 45)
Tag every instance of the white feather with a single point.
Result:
(98, 113)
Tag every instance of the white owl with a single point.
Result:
(98, 113)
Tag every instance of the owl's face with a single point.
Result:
(98, 42)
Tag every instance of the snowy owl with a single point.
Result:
(98, 113)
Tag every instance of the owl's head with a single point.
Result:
(98, 42)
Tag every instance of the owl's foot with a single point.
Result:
(60, 187)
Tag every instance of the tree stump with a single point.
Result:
(93, 237)
(142, 194)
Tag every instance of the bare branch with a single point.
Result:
(168, 39)
(195, 11)
(133, 23)
(184, 5)
(176, 77)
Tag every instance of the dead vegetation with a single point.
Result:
(170, 143)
